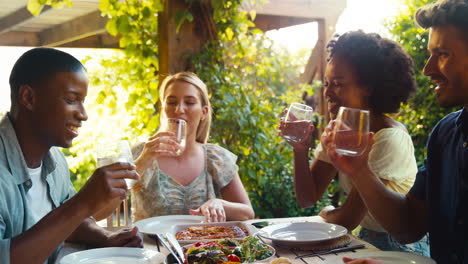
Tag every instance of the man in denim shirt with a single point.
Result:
(38, 205)
(438, 201)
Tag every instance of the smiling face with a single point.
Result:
(448, 65)
(341, 87)
(182, 100)
(58, 107)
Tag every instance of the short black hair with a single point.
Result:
(381, 66)
(39, 63)
(452, 12)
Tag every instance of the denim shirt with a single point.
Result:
(443, 185)
(15, 215)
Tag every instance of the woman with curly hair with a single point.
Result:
(368, 72)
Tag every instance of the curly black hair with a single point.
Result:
(381, 66)
(452, 12)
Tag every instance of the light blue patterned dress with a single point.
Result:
(159, 194)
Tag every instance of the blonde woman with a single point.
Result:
(203, 179)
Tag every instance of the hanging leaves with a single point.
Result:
(180, 17)
(36, 6)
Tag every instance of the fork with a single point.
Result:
(336, 250)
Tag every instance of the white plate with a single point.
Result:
(299, 234)
(393, 257)
(164, 224)
(114, 255)
(250, 230)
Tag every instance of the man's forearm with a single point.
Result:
(37, 244)
(404, 220)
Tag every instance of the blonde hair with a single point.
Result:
(203, 129)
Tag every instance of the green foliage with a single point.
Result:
(36, 6)
(250, 85)
(135, 70)
(108, 119)
(249, 81)
(422, 112)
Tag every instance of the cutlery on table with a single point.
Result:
(175, 244)
(165, 244)
(336, 250)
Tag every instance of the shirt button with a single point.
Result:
(464, 144)
(28, 183)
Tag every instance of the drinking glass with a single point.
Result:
(351, 131)
(115, 151)
(179, 128)
(297, 122)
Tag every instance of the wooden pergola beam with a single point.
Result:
(270, 22)
(16, 38)
(30, 39)
(103, 41)
(314, 9)
(17, 18)
(82, 27)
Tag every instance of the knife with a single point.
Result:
(336, 250)
(163, 241)
(175, 244)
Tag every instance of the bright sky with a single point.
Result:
(359, 14)
(367, 15)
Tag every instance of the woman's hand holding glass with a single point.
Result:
(296, 126)
(212, 210)
(176, 132)
(168, 142)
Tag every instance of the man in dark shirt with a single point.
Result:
(438, 201)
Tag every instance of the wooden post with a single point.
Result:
(192, 36)
(321, 45)
(326, 29)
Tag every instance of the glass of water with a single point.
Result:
(297, 122)
(179, 128)
(351, 131)
(115, 151)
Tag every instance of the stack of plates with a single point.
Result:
(302, 234)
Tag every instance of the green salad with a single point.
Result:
(228, 250)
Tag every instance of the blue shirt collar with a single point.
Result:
(14, 154)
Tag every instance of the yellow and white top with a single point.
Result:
(391, 159)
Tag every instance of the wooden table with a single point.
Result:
(150, 243)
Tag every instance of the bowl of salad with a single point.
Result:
(227, 251)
